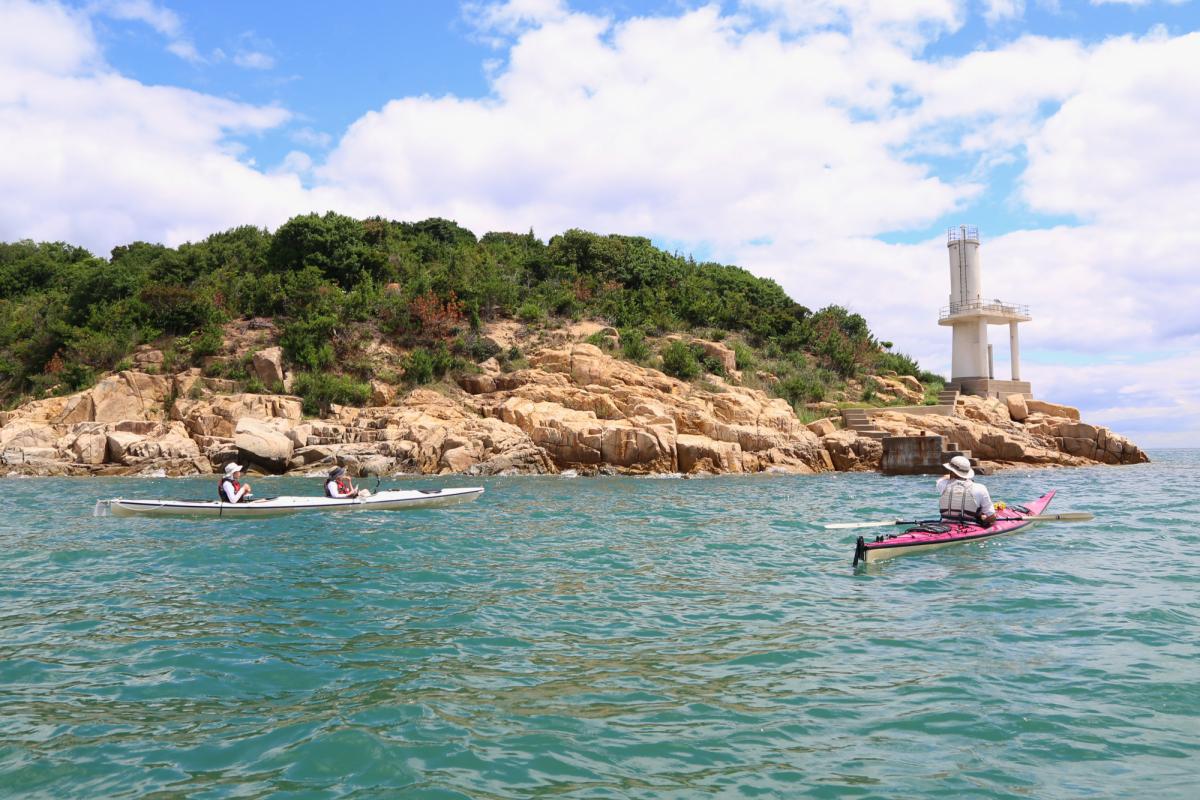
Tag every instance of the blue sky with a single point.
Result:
(329, 64)
(827, 144)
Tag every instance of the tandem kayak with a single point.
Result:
(936, 535)
(276, 506)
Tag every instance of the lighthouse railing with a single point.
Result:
(969, 233)
(993, 307)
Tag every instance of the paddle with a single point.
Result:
(1067, 516)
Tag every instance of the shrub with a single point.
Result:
(434, 317)
(443, 361)
(206, 342)
(531, 312)
(176, 309)
(320, 390)
(418, 367)
(633, 345)
(600, 340)
(898, 363)
(77, 376)
(744, 356)
(680, 361)
(307, 342)
(801, 388)
(711, 364)
(477, 348)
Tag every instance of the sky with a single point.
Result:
(827, 144)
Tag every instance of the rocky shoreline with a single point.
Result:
(574, 407)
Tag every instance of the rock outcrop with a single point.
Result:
(991, 430)
(588, 410)
(573, 407)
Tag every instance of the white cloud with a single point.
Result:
(497, 22)
(913, 22)
(163, 20)
(45, 39)
(1156, 402)
(997, 10)
(94, 158)
(734, 137)
(311, 138)
(252, 59)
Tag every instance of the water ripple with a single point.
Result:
(602, 638)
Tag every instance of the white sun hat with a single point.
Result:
(961, 467)
(231, 468)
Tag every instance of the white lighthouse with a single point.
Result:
(969, 315)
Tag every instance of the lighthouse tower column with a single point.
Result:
(969, 314)
(1014, 350)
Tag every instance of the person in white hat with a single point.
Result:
(963, 500)
(230, 490)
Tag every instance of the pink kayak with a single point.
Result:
(927, 536)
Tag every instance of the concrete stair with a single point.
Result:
(857, 420)
(947, 397)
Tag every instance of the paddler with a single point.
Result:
(961, 499)
(230, 489)
(339, 486)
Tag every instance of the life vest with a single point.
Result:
(221, 489)
(958, 503)
(343, 487)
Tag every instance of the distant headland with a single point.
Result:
(392, 347)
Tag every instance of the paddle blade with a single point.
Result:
(842, 525)
(1067, 516)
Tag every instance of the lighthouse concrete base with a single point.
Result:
(990, 387)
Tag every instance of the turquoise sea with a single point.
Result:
(603, 638)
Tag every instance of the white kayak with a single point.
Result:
(275, 506)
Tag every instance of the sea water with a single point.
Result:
(603, 638)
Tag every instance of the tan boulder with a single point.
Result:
(478, 384)
(268, 366)
(89, 448)
(722, 353)
(1085, 448)
(79, 408)
(118, 444)
(895, 387)
(25, 434)
(822, 427)
(1018, 409)
(988, 410)
(849, 452)
(382, 394)
(129, 395)
(458, 459)
(701, 454)
(146, 358)
(1077, 430)
(1052, 409)
(264, 443)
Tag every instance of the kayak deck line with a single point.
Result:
(275, 506)
(934, 536)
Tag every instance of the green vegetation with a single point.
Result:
(320, 390)
(679, 360)
(331, 283)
